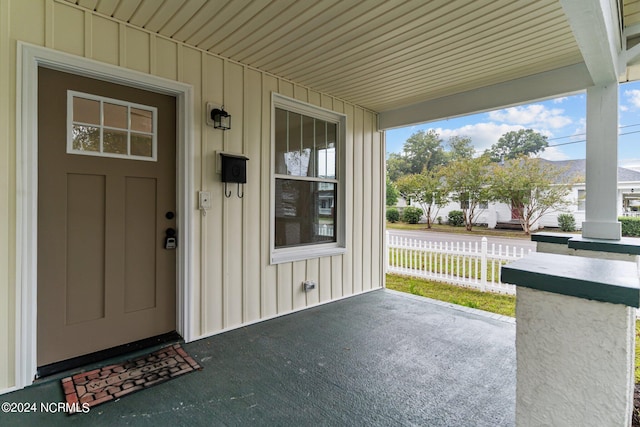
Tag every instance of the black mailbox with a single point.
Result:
(233, 169)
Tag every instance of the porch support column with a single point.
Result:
(575, 339)
(602, 164)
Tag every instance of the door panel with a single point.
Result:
(104, 277)
(85, 257)
(140, 266)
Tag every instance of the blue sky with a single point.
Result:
(561, 119)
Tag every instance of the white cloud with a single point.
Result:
(483, 135)
(633, 97)
(553, 153)
(533, 116)
(581, 130)
(560, 100)
(630, 164)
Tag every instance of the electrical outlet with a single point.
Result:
(308, 285)
(205, 200)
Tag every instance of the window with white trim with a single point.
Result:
(465, 202)
(106, 127)
(308, 182)
(582, 199)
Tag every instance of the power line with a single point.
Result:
(581, 134)
(628, 126)
(568, 143)
(563, 137)
(584, 140)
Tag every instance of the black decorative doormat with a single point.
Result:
(92, 388)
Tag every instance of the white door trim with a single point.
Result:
(29, 57)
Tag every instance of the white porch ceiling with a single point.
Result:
(385, 55)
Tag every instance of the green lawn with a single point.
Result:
(494, 303)
(478, 230)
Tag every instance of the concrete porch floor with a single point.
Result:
(378, 359)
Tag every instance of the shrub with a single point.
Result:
(456, 218)
(439, 219)
(630, 226)
(393, 215)
(412, 215)
(567, 222)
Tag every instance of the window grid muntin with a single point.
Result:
(314, 161)
(101, 126)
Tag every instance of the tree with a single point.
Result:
(392, 193)
(422, 150)
(468, 181)
(515, 144)
(533, 187)
(86, 138)
(460, 148)
(426, 189)
(397, 166)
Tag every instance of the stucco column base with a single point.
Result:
(575, 360)
(623, 249)
(602, 230)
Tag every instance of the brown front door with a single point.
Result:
(106, 196)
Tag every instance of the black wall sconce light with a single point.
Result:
(221, 119)
(233, 169)
(218, 118)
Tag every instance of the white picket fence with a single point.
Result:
(324, 230)
(468, 264)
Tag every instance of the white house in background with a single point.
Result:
(628, 197)
(500, 215)
(627, 204)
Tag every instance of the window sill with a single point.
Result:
(280, 256)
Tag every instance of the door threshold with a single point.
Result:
(99, 357)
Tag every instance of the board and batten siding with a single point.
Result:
(234, 283)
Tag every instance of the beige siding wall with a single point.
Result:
(234, 282)
(7, 206)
